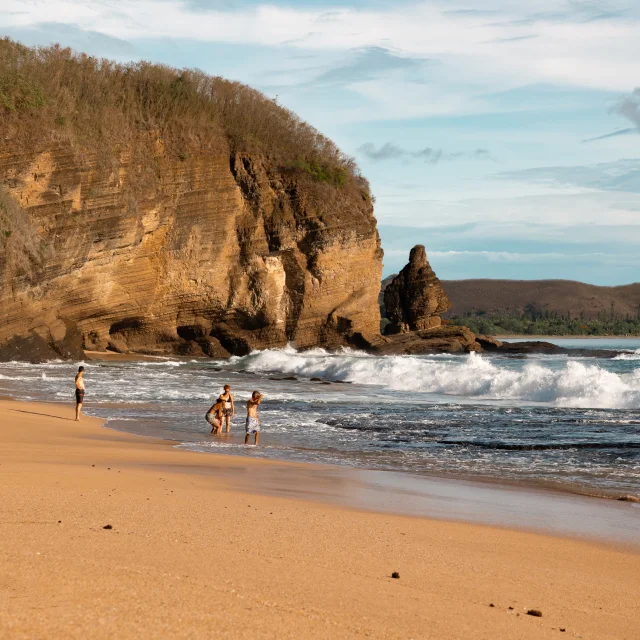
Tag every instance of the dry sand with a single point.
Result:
(189, 556)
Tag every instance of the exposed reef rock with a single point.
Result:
(524, 348)
(489, 343)
(445, 339)
(415, 299)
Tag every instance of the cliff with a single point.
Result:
(151, 210)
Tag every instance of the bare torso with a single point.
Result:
(252, 408)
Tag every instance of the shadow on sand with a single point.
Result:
(46, 415)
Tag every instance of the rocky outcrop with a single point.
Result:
(489, 343)
(444, 339)
(415, 299)
(215, 254)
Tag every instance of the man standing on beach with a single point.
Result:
(253, 421)
(79, 392)
(229, 406)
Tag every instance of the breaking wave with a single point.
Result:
(570, 384)
(629, 356)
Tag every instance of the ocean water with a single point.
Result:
(566, 422)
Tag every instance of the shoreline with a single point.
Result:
(511, 484)
(194, 549)
(524, 485)
(109, 356)
(478, 500)
(485, 501)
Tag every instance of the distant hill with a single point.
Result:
(555, 296)
(484, 296)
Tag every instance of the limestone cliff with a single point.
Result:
(220, 257)
(188, 247)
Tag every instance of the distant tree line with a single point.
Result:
(536, 321)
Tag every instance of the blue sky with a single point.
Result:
(505, 138)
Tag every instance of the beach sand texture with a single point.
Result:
(189, 556)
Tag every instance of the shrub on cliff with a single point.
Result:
(56, 95)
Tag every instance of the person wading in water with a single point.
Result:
(215, 416)
(253, 420)
(229, 406)
(79, 392)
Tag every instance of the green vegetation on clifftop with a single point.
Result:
(52, 95)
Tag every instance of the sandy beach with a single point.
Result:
(188, 554)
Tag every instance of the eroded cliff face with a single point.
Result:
(212, 254)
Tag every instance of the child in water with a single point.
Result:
(253, 420)
(215, 416)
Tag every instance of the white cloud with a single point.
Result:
(533, 258)
(574, 44)
(621, 176)
(551, 216)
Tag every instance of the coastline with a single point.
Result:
(183, 430)
(275, 565)
(434, 484)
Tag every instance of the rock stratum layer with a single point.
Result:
(222, 254)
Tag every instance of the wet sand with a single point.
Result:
(209, 546)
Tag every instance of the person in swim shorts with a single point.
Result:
(229, 406)
(215, 416)
(253, 420)
(79, 392)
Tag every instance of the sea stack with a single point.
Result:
(415, 298)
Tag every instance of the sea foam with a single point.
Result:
(575, 384)
(629, 356)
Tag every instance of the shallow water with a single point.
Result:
(566, 422)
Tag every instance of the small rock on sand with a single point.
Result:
(107, 526)
(395, 575)
(534, 612)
